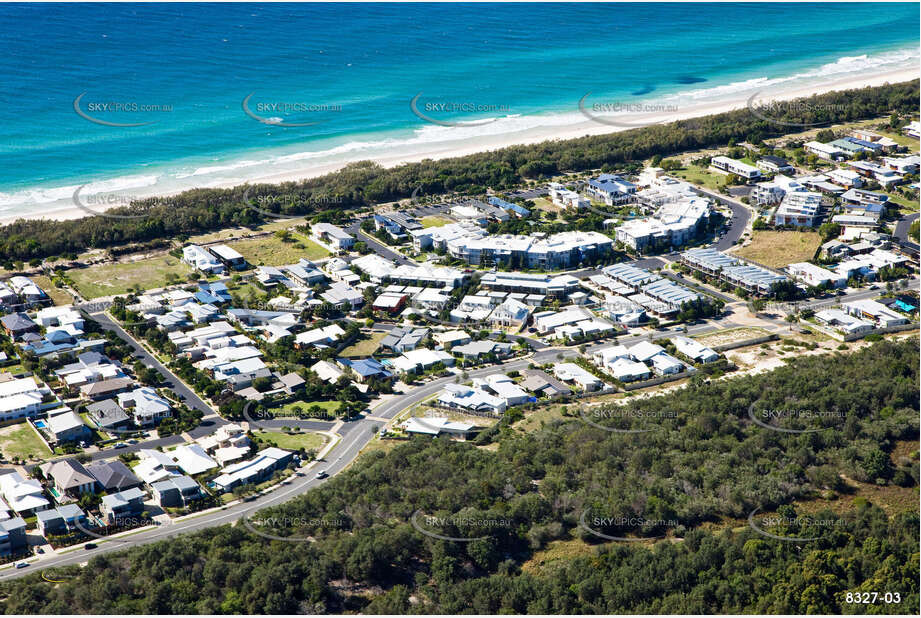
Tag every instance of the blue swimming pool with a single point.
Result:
(40, 424)
(904, 306)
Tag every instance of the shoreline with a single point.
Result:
(484, 143)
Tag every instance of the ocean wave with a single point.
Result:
(426, 138)
(51, 195)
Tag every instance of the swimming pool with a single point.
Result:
(40, 424)
(904, 306)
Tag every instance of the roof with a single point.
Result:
(68, 473)
(17, 322)
(113, 475)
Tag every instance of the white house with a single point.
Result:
(201, 259)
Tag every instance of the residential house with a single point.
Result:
(145, 405)
(17, 324)
(542, 384)
(694, 350)
(60, 520)
(200, 259)
(69, 477)
(732, 166)
(121, 506)
(66, 427)
(108, 415)
(13, 538)
(176, 491)
(472, 399)
(113, 476)
(332, 236)
(402, 339)
(570, 372)
(24, 497)
(231, 258)
(253, 470)
(438, 425)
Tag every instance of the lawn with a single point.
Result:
(906, 205)
(119, 278)
(903, 140)
(21, 441)
(777, 249)
(435, 221)
(288, 408)
(366, 346)
(293, 441)
(58, 296)
(703, 177)
(273, 251)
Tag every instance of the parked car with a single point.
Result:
(21, 565)
(90, 546)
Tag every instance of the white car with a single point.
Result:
(322, 474)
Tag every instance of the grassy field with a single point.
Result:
(20, 440)
(701, 176)
(294, 441)
(273, 251)
(906, 205)
(59, 296)
(777, 249)
(435, 221)
(365, 346)
(288, 408)
(239, 232)
(118, 278)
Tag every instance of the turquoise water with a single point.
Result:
(525, 64)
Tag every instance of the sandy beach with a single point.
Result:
(464, 145)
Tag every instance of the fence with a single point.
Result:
(834, 334)
(632, 386)
(744, 343)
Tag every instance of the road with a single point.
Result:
(740, 217)
(902, 225)
(336, 460)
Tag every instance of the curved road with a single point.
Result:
(355, 435)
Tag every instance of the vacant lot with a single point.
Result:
(20, 441)
(59, 296)
(273, 251)
(293, 441)
(777, 249)
(366, 346)
(119, 278)
(703, 177)
(730, 335)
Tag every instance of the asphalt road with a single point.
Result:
(336, 460)
(740, 217)
(902, 225)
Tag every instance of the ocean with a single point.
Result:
(223, 93)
